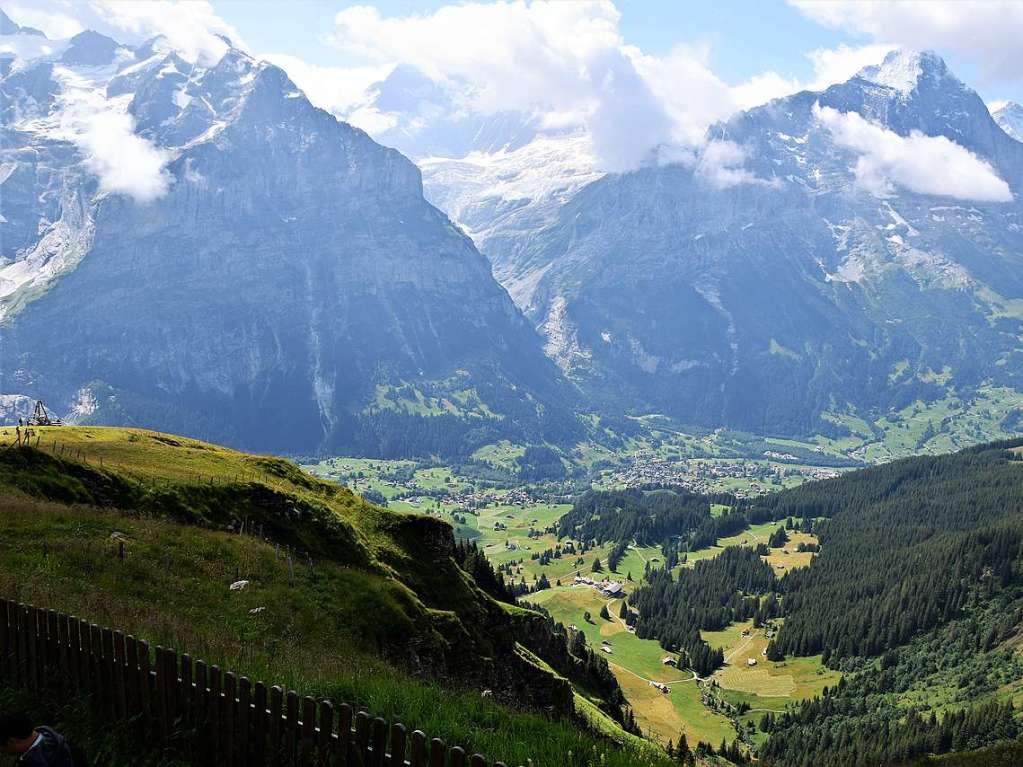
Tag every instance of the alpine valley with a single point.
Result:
(707, 458)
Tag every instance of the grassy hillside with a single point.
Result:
(344, 599)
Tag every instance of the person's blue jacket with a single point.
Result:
(52, 750)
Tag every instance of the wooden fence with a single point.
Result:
(228, 720)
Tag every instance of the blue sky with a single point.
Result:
(741, 38)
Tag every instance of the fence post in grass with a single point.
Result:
(230, 722)
(161, 693)
(186, 694)
(344, 733)
(325, 735)
(96, 671)
(120, 690)
(145, 696)
(308, 741)
(85, 657)
(361, 737)
(437, 751)
(131, 674)
(290, 727)
(276, 712)
(259, 725)
(418, 756)
(107, 645)
(397, 745)
(200, 706)
(172, 687)
(244, 720)
(477, 760)
(63, 631)
(215, 714)
(31, 638)
(4, 639)
(457, 757)
(379, 742)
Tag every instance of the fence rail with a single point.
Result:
(234, 722)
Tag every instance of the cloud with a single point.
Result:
(192, 28)
(123, 161)
(336, 89)
(836, 65)
(987, 32)
(920, 163)
(564, 58)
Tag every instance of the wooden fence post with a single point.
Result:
(325, 739)
(344, 733)
(379, 742)
(276, 712)
(259, 729)
(244, 721)
(290, 727)
(419, 758)
(214, 707)
(308, 743)
(230, 721)
(397, 745)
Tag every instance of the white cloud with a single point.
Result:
(565, 58)
(124, 162)
(191, 28)
(836, 65)
(920, 163)
(102, 129)
(987, 32)
(336, 89)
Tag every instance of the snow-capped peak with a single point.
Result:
(1010, 119)
(902, 70)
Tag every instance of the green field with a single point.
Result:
(636, 662)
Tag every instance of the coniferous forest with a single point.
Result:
(916, 584)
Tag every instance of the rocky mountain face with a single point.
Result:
(1010, 119)
(276, 280)
(498, 176)
(762, 284)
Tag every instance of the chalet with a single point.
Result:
(606, 648)
(751, 661)
(613, 589)
(745, 632)
(667, 660)
(661, 686)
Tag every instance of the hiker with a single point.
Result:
(34, 746)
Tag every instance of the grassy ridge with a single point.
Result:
(329, 624)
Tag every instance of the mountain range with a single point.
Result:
(768, 285)
(277, 277)
(279, 280)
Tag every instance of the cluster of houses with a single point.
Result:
(610, 589)
(705, 476)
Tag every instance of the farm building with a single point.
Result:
(667, 660)
(613, 589)
(751, 661)
(661, 686)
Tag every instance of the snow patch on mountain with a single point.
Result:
(899, 71)
(1010, 119)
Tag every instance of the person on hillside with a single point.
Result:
(33, 746)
